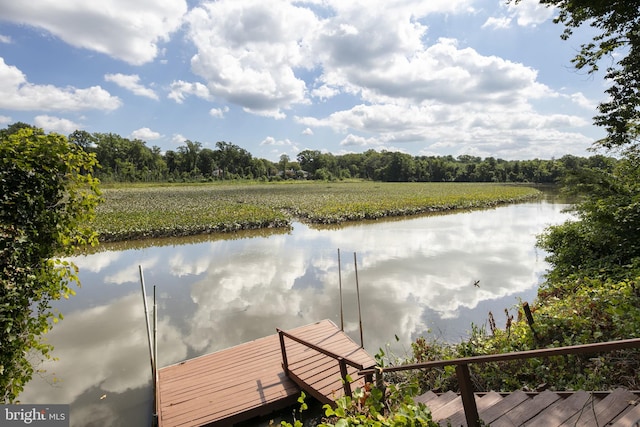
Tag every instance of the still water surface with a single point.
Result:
(416, 277)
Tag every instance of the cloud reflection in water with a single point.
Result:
(416, 274)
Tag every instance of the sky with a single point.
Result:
(423, 77)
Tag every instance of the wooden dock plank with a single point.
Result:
(248, 380)
(524, 413)
(241, 381)
(618, 408)
(319, 374)
(452, 413)
(605, 411)
(442, 400)
(508, 404)
(630, 417)
(561, 410)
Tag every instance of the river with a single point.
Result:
(416, 277)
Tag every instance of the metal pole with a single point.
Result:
(155, 351)
(355, 262)
(146, 318)
(340, 282)
(155, 333)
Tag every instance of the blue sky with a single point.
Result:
(424, 77)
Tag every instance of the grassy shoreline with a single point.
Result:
(151, 211)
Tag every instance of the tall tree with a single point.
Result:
(190, 152)
(284, 161)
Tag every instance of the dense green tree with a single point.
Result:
(82, 138)
(47, 195)
(189, 156)
(232, 159)
(284, 162)
(206, 162)
(606, 237)
(15, 127)
(310, 160)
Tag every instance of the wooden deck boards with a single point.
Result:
(620, 408)
(319, 374)
(248, 380)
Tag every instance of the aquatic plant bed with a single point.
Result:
(135, 212)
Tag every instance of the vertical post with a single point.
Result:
(344, 374)
(155, 349)
(468, 399)
(380, 382)
(355, 262)
(285, 363)
(340, 284)
(146, 318)
(155, 330)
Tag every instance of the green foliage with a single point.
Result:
(370, 406)
(155, 211)
(48, 195)
(303, 407)
(571, 312)
(606, 236)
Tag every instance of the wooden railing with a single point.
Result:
(342, 361)
(464, 378)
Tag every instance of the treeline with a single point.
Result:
(125, 160)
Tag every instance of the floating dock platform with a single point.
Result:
(257, 378)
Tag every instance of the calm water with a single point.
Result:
(415, 276)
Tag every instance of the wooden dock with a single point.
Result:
(249, 380)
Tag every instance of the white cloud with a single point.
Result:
(277, 142)
(178, 138)
(444, 73)
(55, 124)
(145, 134)
(526, 13)
(583, 101)
(16, 93)
(181, 89)
(5, 39)
(218, 113)
(358, 141)
(324, 92)
(494, 130)
(307, 131)
(248, 52)
(132, 83)
(497, 23)
(130, 31)
(530, 12)
(5, 120)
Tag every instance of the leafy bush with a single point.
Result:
(576, 311)
(47, 195)
(370, 406)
